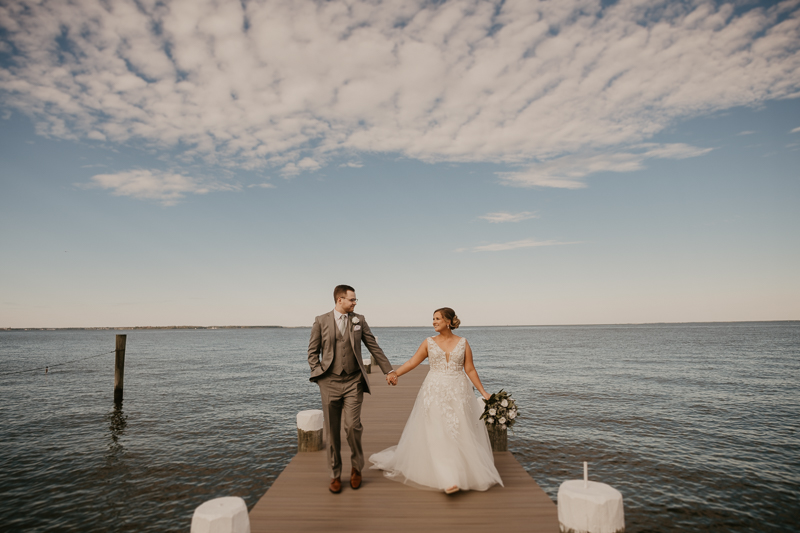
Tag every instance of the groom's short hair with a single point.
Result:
(341, 291)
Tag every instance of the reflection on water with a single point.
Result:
(115, 475)
(696, 424)
(117, 421)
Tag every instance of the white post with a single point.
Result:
(368, 365)
(590, 507)
(309, 430)
(221, 515)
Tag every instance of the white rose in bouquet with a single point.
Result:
(501, 410)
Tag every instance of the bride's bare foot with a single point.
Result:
(451, 490)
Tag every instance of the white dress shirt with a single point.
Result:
(341, 323)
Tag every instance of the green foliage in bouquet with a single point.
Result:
(500, 410)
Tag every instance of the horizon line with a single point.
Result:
(173, 327)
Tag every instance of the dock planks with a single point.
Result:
(299, 500)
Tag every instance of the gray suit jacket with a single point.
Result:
(323, 340)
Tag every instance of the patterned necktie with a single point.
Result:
(341, 324)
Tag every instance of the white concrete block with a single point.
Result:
(310, 420)
(594, 508)
(221, 515)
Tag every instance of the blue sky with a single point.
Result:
(524, 163)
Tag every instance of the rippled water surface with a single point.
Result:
(696, 424)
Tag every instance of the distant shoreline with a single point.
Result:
(135, 328)
(129, 328)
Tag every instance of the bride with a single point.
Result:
(445, 445)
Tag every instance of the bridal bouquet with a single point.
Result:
(500, 410)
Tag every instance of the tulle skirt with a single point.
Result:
(444, 442)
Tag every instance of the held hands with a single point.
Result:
(391, 378)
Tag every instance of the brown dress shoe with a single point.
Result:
(336, 485)
(355, 479)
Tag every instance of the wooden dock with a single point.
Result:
(299, 499)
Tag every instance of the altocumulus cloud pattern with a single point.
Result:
(556, 90)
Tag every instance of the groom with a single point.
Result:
(334, 354)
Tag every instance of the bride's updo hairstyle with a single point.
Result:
(449, 314)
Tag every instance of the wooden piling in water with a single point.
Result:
(119, 367)
(309, 431)
(499, 438)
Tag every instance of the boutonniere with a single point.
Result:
(355, 322)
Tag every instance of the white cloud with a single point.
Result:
(262, 185)
(513, 245)
(496, 218)
(164, 187)
(533, 83)
(796, 130)
(306, 164)
(568, 172)
(352, 164)
(748, 132)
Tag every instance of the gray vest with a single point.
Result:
(344, 360)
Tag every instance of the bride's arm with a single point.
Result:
(416, 359)
(469, 368)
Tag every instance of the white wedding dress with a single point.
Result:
(444, 442)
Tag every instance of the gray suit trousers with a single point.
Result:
(342, 395)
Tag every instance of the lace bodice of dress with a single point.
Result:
(438, 357)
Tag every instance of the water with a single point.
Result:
(696, 424)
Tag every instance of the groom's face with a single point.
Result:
(348, 302)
